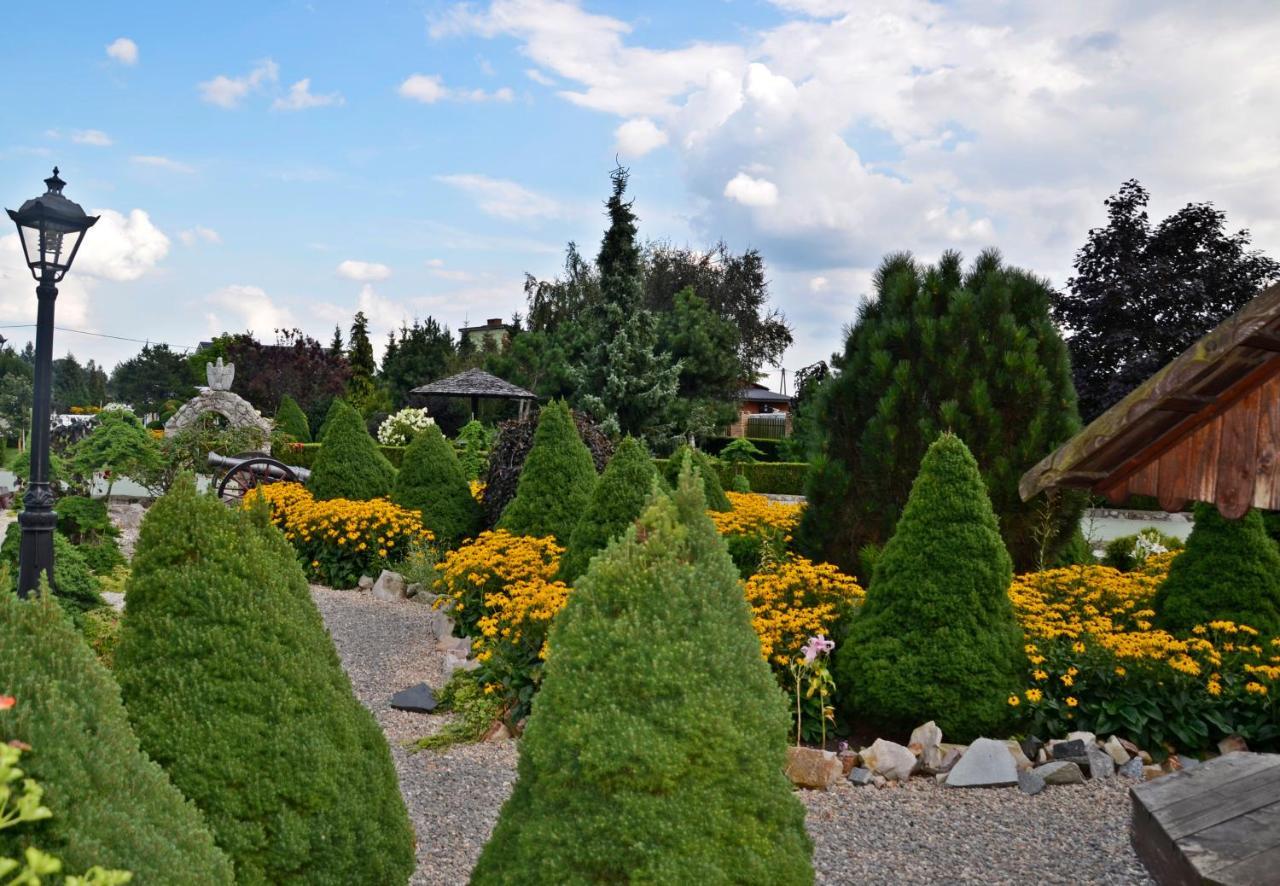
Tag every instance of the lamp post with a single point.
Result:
(51, 228)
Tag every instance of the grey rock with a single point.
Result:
(860, 776)
(1116, 751)
(1132, 769)
(418, 699)
(987, 763)
(925, 741)
(1088, 738)
(1070, 749)
(1186, 762)
(456, 645)
(940, 777)
(1232, 744)
(1030, 783)
(390, 586)
(414, 589)
(1100, 763)
(455, 662)
(889, 759)
(950, 759)
(1060, 772)
(365, 583)
(1019, 758)
(1031, 747)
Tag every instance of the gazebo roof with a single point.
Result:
(474, 383)
(1199, 429)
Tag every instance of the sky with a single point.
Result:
(285, 164)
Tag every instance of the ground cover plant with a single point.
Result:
(937, 637)
(556, 480)
(113, 806)
(234, 687)
(431, 481)
(616, 501)
(349, 464)
(339, 540)
(684, 781)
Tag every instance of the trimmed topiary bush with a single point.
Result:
(291, 420)
(937, 638)
(431, 481)
(656, 747)
(556, 482)
(617, 501)
(349, 464)
(1230, 571)
(112, 805)
(712, 488)
(75, 586)
(233, 685)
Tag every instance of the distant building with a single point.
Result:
(762, 413)
(494, 330)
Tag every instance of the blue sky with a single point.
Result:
(285, 164)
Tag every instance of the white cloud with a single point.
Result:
(538, 77)
(199, 234)
(436, 267)
(503, 198)
(95, 137)
(363, 270)
(818, 284)
(429, 89)
(300, 98)
(754, 192)
(160, 162)
(120, 247)
(123, 50)
(229, 92)
(638, 137)
(252, 309)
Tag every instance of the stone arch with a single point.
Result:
(238, 412)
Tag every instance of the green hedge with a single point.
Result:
(771, 447)
(777, 478)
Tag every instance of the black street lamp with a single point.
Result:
(50, 227)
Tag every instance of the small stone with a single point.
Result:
(987, 763)
(1130, 747)
(848, 761)
(1031, 747)
(889, 759)
(426, 598)
(1232, 744)
(1185, 762)
(417, 699)
(1116, 751)
(812, 768)
(1100, 763)
(1151, 773)
(390, 586)
(940, 777)
(860, 776)
(1019, 758)
(455, 662)
(928, 738)
(497, 733)
(1146, 758)
(365, 583)
(1060, 772)
(414, 589)
(457, 645)
(879, 781)
(1069, 749)
(1087, 737)
(950, 759)
(1030, 783)
(1043, 756)
(1132, 769)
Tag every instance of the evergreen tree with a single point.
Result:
(336, 405)
(336, 346)
(234, 687)
(936, 350)
(119, 446)
(937, 638)
(556, 481)
(1142, 295)
(656, 747)
(472, 443)
(1229, 571)
(424, 353)
(431, 482)
(112, 806)
(291, 420)
(617, 501)
(360, 350)
(75, 587)
(350, 464)
(704, 467)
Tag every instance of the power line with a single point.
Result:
(141, 341)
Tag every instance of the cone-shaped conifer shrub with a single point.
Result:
(431, 481)
(349, 464)
(75, 585)
(617, 501)
(937, 638)
(111, 805)
(556, 481)
(1230, 571)
(291, 420)
(336, 405)
(712, 488)
(234, 687)
(656, 746)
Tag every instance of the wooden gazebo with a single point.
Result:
(476, 385)
(1206, 427)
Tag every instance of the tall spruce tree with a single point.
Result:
(336, 346)
(939, 350)
(656, 747)
(360, 350)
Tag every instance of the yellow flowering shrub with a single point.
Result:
(477, 490)
(339, 540)
(1098, 663)
(793, 600)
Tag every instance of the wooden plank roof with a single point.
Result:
(1206, 427)
(474, 383)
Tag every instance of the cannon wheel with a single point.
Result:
(251, 472)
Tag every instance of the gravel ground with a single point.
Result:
(921, 833)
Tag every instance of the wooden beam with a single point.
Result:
(1187, 405)
(1262, 341)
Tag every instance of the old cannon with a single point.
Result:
(250, 469)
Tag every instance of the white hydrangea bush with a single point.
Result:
(399, 429)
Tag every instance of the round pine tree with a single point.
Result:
(350, 464)
(937, 638)
(111, 805)
(618, 499)
(431, 481)
(656, 746)
(1230, 571)
(556, 481)
(712, 488)
(234, 687)
(291, 420)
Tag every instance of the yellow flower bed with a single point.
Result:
(793, 600)
(339, 540)
(755, 514)
(477, 490)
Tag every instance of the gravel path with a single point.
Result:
(921, 833)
